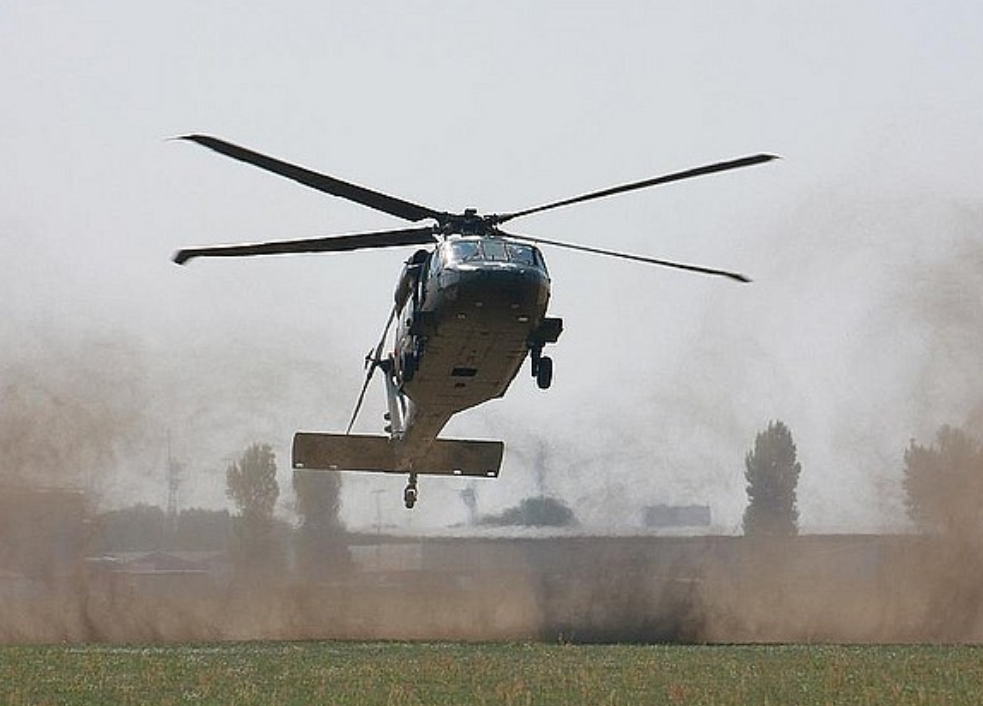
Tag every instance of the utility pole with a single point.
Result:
(173, 485)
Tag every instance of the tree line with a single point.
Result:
(252, 535)
(943, 484)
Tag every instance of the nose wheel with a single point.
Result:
(410, 494)
(544, 375)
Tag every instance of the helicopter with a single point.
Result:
(468, 311)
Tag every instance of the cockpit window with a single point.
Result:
(465, 250)
(493, 250)
(521, 254)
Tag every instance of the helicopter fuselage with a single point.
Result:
(469, 313)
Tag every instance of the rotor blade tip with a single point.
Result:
(192, 137)
(181, 257)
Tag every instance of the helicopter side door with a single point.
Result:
(411, 292)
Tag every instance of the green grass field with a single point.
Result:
(460, 674)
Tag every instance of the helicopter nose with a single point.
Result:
(507, 291)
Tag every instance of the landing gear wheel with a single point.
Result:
(544, 373)
(410, 494)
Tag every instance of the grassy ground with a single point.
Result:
(460, 674)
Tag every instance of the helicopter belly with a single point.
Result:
(464, 366)
(483, 326)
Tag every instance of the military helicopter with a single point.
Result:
(468, 312)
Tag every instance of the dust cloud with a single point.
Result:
(72, 408)
(68, 407)
(571, 589)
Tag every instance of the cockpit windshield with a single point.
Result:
(492, 250)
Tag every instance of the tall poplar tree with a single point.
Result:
(772, 474)
(251, 485)
(320, 539)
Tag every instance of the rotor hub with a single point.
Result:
(467, 223)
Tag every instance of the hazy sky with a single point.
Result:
(859, 331)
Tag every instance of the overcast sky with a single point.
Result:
(859, 332)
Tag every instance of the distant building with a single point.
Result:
(676, 516)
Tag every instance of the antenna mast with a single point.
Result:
(173, 484)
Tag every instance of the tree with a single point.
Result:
(199, 529)
(251, 485)
(252, 482)
(318, 501)
(318, 496)
(772, 474)
(540, 511)
(147, 528)
(943, 482)
(140, 528)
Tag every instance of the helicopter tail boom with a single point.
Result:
(379, 454)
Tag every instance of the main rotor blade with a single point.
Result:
(637, 258)
(321, 182)
(373, 364)
(655, 181)
(332, 243)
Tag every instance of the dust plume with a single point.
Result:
(67, 409)
(71, 408)
(915, 356)
(850, 588)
